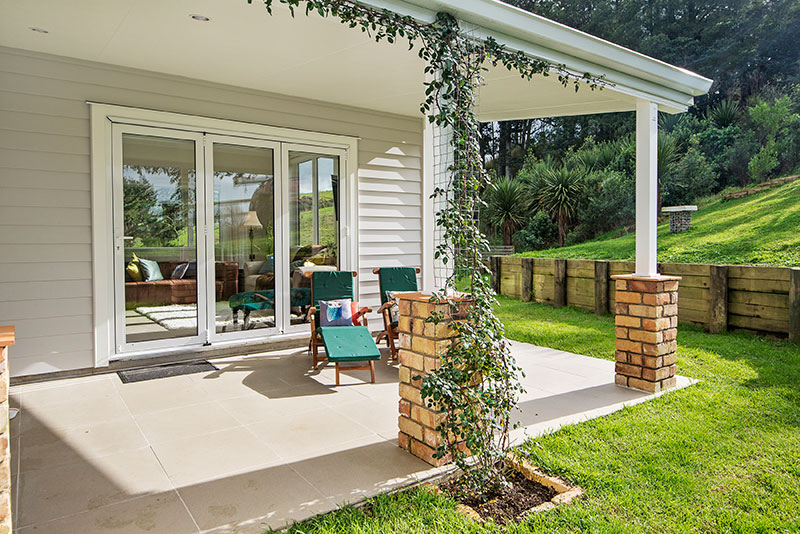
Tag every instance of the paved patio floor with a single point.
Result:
(260, 442)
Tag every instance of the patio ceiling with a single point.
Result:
(321, 59)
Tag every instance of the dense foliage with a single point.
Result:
(731, 145)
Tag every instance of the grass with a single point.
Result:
(720, 456)
(760, 229)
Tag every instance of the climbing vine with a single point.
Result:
(477, 384)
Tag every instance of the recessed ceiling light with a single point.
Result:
(201, 18)
(38, 30)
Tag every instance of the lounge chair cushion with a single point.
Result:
(331, 285)
(349, 343)
(397, 279)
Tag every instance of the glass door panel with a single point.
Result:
(313, 227)
(243, 184)
(157, 250)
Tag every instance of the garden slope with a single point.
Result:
(759, 229)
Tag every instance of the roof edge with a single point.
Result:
(566, 45)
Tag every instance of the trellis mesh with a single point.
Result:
(447, 167)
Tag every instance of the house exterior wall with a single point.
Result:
(45, 182)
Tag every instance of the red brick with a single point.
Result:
(404, 407)
(655, 299)
(669, 383)
(645, 336)
(654, 325)
(404, 340)
(427, 417)
(431, 363)
(653, 362)
(645, 311)
(403, 441)
(621, 333)
(425, 453)
(404, 307)
(620, 308)
(669, 359)
(621, 380)
(625, 320)
(629, 297)
(655, 375)
(410, 393)
(671, 285)
(628, 370)
(670, 334)
(644, 385)
(673, 297)
(631, 346)
(411, 359)
(621, 356)
(635, 359)
(431, 437)
(404, 324)
(658, 349)
(621, 285)
(670, 310)
(646, 286)
(673, 321)
(410, 427)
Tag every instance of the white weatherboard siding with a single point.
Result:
(45, 218)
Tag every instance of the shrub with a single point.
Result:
(609, 203)
(692, 178)
(540, 233)
(764, 162)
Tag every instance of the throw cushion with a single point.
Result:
(150, 270)
(191, 270)
(268, 266)
(133, 270)
(179, 271)
(394, 311)
(336, 312)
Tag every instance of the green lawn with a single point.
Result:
(760, 229)
(720, 456)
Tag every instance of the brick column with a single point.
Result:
(646, 328)
(422, 345)
(6, 340)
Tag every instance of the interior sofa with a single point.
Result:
(183, 290)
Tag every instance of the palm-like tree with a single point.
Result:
(558, 193)
(507, 207)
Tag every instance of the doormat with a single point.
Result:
(165, 371)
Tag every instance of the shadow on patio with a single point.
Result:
(259, 443)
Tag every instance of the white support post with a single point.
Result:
(646, 187)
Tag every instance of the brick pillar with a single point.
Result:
(422, 345)
(6, 340)
(646, 328)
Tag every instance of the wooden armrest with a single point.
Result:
(310, 313)
(362, 311)
(259, 295)
(386, 306)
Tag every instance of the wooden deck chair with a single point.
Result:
(393, 279)
(343, 344)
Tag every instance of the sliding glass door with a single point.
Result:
(215, 236)
(244, 189)
(158, 249)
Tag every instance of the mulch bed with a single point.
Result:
(511, 503)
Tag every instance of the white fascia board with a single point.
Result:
(631, 73)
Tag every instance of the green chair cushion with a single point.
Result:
(397, 279)
(349, 343)
(331, 285)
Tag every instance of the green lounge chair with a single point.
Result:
(343, 344)
(393, 279)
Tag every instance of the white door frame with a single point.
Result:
(345, 256)
(277, 205)
(121, 344)
(103, 116)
